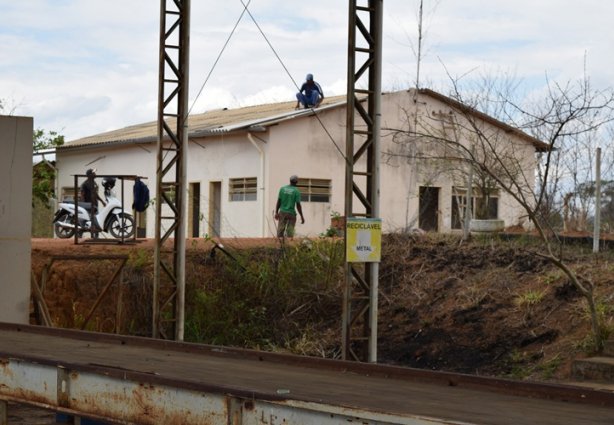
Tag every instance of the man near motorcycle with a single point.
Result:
(89, 193)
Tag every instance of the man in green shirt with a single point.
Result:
(289, 197)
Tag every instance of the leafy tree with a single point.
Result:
(43, 177)
(46, 140)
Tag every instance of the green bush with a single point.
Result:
(258, 288)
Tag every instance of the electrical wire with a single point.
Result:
(220, 55)
(292, 79)
(213, 67)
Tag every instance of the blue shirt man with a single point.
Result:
(310, 95)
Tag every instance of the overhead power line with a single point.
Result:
(246, 10)
(220, 55)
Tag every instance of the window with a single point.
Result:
(170, 192)
(459, 203)
(242, 189)
(315, 190)
(68, 194)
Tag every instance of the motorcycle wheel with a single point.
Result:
(61, 231)
(122, 226)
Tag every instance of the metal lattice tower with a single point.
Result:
(359, 331)
(169, 264)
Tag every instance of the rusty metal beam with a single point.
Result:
(39, 302)
(128, 401)
(38, 290)
(104, 292)
(146, 381)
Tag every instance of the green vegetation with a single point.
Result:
(43, 177)
(287, 286)
(494, 309)
(530, 298)
(524, 365)
(139, 259)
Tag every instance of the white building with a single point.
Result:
(239, 158)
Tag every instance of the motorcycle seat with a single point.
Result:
(86, 205)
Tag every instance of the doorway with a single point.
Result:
(215, 209)
(429, 209)
(194, 210)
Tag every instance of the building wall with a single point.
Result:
(15, 217)
(122, 160)
(223, 158)
(300, 146)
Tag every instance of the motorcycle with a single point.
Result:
(111, 217)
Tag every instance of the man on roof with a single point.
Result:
(310, 95)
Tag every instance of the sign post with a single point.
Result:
(364, 240)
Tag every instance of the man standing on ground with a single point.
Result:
(289, 197)
(89, 193)
(310, 94)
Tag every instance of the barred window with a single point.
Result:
(315, 190)
(242, 189)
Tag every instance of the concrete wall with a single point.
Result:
(15, 217)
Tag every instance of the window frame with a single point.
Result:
(315, 189)
(460, 194)
(68, 194)
(243, 189)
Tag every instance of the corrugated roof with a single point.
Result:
(228, 120)
(210, 122)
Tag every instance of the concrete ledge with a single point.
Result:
(486, 226)
(599, 369)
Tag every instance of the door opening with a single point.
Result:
(194, 210)
(429, 209)
(215, 209)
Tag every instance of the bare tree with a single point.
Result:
(464, 138)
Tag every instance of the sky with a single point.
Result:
(82, 67)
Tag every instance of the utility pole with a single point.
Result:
(359, 332)
(168, 305)
(597, 224)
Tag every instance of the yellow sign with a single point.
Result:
(363, 240)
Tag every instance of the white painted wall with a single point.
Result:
(298, 146)
(302, 147)
(15, 217)
(122, 160)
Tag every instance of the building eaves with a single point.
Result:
(264, 122)
(214, 122)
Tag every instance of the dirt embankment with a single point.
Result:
(485, 307)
